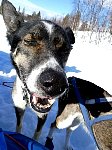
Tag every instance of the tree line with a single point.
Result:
(87, 15)
(33, 16)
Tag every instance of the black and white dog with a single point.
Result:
(39, 52)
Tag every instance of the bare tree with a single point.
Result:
(92, 14)
(75, 20)
(0, 9)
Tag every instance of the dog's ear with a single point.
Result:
(70, 35)
(11, 17)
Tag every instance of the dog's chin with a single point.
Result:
(41, 104)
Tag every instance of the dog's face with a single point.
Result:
(39, 50)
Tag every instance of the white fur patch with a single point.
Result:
(73, 121)
(17, 95)
(32, 78)
(48, 26)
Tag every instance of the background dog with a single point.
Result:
(87, 94)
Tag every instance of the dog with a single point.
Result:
(39, 52)
(86, 97)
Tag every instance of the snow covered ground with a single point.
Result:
(90, 60)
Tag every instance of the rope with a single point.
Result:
(98, 101)
(15, 141)
(84, 110)
(6, 84)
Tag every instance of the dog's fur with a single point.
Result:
(102, 131)
(39, 51)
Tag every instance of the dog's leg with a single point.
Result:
(51, 131)
(19, 103)
(68, 134)
(76, 123)
(49, 143)
(70, 119)
(40, 124)
(19, 115)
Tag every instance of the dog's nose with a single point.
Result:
(53, 82)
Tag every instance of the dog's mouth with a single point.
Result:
(41, 104)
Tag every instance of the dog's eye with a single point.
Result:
(39, 38)
(32, 39)
(31, 42)
(58, 42)
(36, 36)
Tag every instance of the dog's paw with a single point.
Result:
(69, 147)
(49, 143)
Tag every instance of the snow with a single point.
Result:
(90, 59)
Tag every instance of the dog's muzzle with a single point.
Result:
(54, 84)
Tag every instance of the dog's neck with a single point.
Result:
(26, 96)
(24, 90)
(23, 99)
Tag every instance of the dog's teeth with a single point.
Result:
(38, 104)
(35, 100)
(42, 103)
(51, 101)
(47, 105)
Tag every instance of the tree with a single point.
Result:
(84, 26)
(66, 21)
(0, 9)
(110, 24)
(34, 16)
(92, 14)
(76, 18)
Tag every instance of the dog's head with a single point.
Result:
(39, 50)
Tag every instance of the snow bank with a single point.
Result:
(92, 61)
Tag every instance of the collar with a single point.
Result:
(26, 95)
